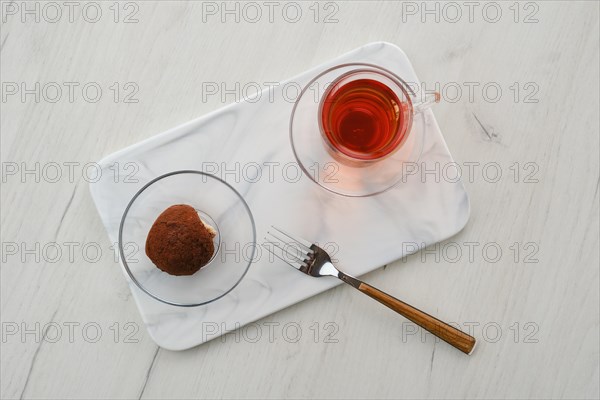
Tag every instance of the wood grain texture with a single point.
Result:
(536, 322)
(442, 330)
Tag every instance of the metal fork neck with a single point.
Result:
(329, 269)
(349, 279)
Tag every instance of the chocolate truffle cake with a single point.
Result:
(179, 243)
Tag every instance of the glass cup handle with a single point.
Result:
(427, 102)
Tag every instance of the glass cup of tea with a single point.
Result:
(355, 128)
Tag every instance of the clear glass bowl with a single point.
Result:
(219, 205)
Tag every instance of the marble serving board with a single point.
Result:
(367, 232)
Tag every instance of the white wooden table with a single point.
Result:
(520, 98)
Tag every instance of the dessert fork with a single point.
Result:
(314, 261)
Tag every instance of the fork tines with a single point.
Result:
(294, 251)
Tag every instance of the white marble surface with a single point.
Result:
(546, 311)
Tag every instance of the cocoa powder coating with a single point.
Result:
(178, 242)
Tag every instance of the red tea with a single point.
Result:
(363, 119)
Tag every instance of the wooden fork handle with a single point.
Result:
(447, 333)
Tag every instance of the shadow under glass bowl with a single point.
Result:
(217, 204)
